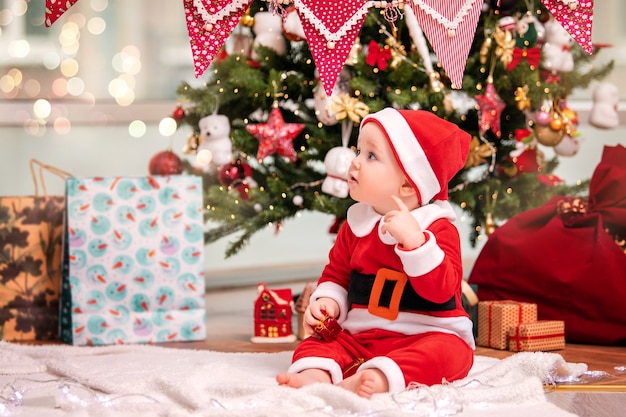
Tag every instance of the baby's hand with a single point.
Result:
(403, 227)
(317, 310)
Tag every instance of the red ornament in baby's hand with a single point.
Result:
(328, 328)
(165, 163)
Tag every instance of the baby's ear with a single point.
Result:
(407, 190)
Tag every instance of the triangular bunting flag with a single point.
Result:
(55, 9)
(449, 26)
(209, 24)
(576, 18)
(331, 28)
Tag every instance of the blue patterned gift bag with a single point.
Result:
(133, 264)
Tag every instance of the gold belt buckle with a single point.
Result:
(382, 276)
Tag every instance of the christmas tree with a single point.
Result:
(272, 141)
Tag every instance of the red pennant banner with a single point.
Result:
(576, 18)
(209, 24)
(56, 8)
(331, 28)
(450, 27)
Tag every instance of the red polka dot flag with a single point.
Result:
(577, 20)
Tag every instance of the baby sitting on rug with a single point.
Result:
(393, 280)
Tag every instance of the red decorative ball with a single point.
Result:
(228, 174)
(165, 163)
(178, 114)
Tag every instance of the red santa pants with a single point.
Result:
(425, 358)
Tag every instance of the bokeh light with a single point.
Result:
(69, 67)
(62, 125)
(51, 60)
(19, 48)
(42, 108)
(137, 128)
(204, 157)
(59, 87)
(96, 25)
(99, 5)
(32, 88)
(75, 86)
(167, 126)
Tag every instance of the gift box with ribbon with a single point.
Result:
(543, 335)
(495, 318)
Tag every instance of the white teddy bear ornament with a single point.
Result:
(557, 55)
(215, 138)
(605, 102)
(337, 163)
(268, 32)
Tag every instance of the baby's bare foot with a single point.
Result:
(306, 377)
(366, 383)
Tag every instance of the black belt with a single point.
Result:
(380, 293)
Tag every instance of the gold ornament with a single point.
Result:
(490, 224)
(484, 49)
(247, 20)
(397, 52)
(521, 97)
(436, 86)
(345, 106)
(193, 142)
(548, 136)
(506, 44)
(478, 154)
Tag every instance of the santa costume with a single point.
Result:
(400, 310)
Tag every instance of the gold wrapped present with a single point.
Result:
(543, 335)
(495, 318)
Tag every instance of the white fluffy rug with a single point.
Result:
(138, 381)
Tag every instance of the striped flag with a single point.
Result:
(449, 26)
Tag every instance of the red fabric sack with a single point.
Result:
(561, 257)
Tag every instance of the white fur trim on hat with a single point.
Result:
(410, 154)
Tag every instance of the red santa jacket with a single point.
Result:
(431, 297)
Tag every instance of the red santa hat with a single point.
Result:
(429, 149)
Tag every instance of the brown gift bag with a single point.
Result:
(31, 230)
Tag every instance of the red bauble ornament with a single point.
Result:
(178, 114)
(276, 136)
(236, 175)
(228, 174)
(165, 163)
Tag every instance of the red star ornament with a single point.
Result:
(276, 136)
(490, 110)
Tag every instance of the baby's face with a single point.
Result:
(374, 174)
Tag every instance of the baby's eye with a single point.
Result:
(358, 152)
(371, 155)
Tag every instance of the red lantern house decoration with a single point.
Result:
(273, 310)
